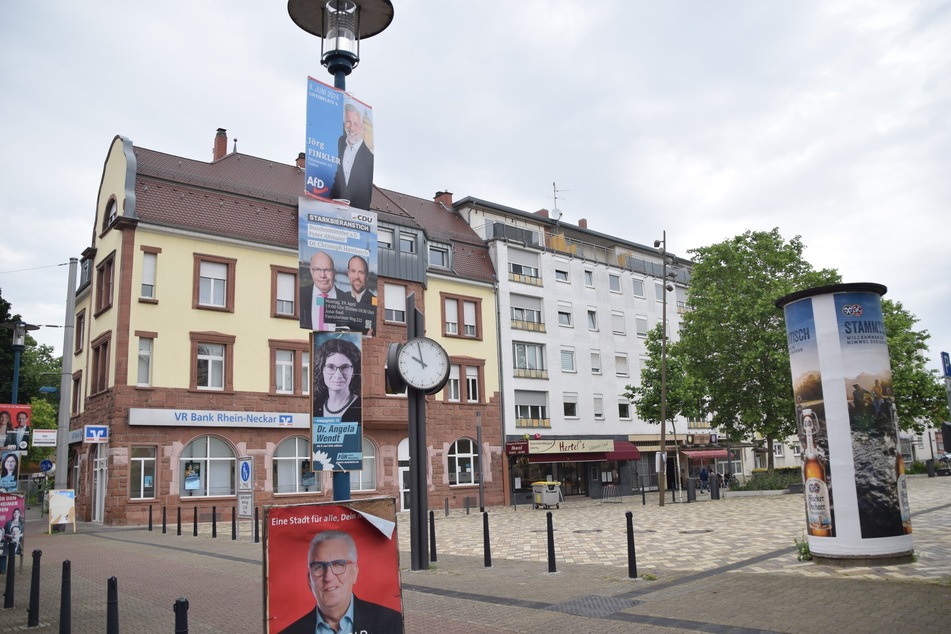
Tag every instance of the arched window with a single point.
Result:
(463, 462)
(207, 467)
(365, 480)
(291, 467)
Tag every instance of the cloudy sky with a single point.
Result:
(827, 119)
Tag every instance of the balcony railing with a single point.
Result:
(533, 423)
(525, 373)
(534, 326)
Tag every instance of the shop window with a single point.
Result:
(291, 467)
(207, 468)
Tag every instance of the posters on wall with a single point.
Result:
(12, 508)
(15, 424)
(337, 404)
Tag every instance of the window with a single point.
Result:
(439, 256)
(617, 322)
(620, 364)
(561, 275)
(365, 479)
(212, 355)
(80, 331)
(778, 449)
(214, 283)
(599, 406)
(527, 313)
(283, 292)
(144, 368)
(100, 364)
(659, 291)
(77, 394)
(796, 449)
(531, 409)
(291, 467)
(462, 464)
(305, 372)
(592, 319)
(638, 288)
(105, 277)
(470, 371)
(595, 362)
(564, 314)
(589, 279)
(624, 410)
(570, 401)
(614, 281)
(149, 261)
(142, 473)
(452, 386)
(567, 360)
(469, 309)
(472, 384)
(112, 212)
(384, 238)
(640, 323)
(287, 355)
(529, 360)
(523, 267)
(407, 243)
(284, 371)
(394, 302)
(207, 467)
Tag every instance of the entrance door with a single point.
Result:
(99, 476)
(402, 454)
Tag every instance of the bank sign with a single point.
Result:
(218, 418)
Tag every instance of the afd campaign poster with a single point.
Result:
(337, 255)
(337, 404)
(338, 162)
(334, 564)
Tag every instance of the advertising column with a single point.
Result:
(855, 496)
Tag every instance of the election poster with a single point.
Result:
(337, 405)
(15, 423)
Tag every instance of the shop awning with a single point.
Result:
(623, 450)
(710, 454)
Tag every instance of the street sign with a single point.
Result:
(245, 505)
(44, 437)
(46, 465)
(245, 474)
(946, 363)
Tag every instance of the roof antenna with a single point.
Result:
(555, 212)
(234, 149)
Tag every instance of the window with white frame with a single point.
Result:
(142, 473)
(394, 302)
(211, 366)
(523, 263)
(599, 406)
(561, 275)
(638, 286)
(149, 261)
(284, 371)
(451, 306)
(305, 372)
(595, 362)
(617, 322)
(144, 366)
(796, 449)
(592, 319)
(439, 255)
(659, 291)
(614, 281)
(778, 449)
(407, 242)
(589, 278)
(365, 479)
(570, 401)
(620, 364)
(527, 313)
(384, 238)
(567, 359)
(285, 293)
(472, 384)
(624, 409)
(640, 323)
(291, 469)
(105, 280)
(462, 462)
(530, 407)
(212, 284)
(564, 314)
(207, 468)
(528, 356)
(453, 391)
(470, 320)
(456, 307)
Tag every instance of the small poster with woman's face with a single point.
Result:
(192, 476)
(337, 407)
(9, 470)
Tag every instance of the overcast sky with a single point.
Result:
(828, 120)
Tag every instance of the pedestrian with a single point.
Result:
(704, 477)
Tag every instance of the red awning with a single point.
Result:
(698, 454)
(623, 450)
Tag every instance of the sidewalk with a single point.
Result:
(714, 566)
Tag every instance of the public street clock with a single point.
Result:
(421, 363)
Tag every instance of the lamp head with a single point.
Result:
(657, 244)
(341, 24)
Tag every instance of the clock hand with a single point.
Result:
(419, 349)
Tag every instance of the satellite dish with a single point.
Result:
(556, 213)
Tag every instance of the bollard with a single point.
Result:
(150, 518)
(432, 536)
(643, 496)
(214, 521)
(551, 544)
(631, 555)
(11, 576)
(65, 607)
(112, 606)
(181, 616)
(257, 528)
(34, 610)
(486, 548)
(234, 525)
(179, 521)
(446, 503)
(467, 505)
(195, 522)
(164, 522)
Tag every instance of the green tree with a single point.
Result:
(44, 417)
(919, 392)
(733, 340)
(684, 395)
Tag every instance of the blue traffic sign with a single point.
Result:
(946, 363)
(46, 465)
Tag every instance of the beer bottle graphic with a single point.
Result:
(818, 513)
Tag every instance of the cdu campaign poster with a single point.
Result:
(337, 406)
(337, 255)
(338, 162)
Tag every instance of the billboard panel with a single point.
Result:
(15, 423)
(337, 406)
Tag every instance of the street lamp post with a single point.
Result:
(661, 246)
(19, 329)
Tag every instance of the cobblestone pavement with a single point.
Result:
(712, 566)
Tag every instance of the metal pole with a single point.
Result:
(486, 546)
(551, 544)
(631, 553)
(16, 374)
(66, 381)
(34, 610)
(479, 463)
(112, 606)
(662, 478)
(11, 576)
(65, 601)
(181, 616)
(432, 536)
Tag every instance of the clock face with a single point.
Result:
(423, 364)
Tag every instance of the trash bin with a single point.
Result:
(932, 472)
(547, 494)
(691, 489)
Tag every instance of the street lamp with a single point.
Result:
(341, 24)
(19, 329)
(661, 246)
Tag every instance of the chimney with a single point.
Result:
(542, 212)
(444, 198)
(221, 144)
(583, 223)
(300, 161)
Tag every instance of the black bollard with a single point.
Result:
(234, 525)
(34, 610)
(446, 504)
(551, 544)
(112, 606)
(467, 505)
(150, 518)
(432, 536)
(65, 607)
(643, 496)
(11, 576)
(631, 555)
(164, 520)
(195, 523)
(181, 616)
(214, 521)
(179, 521)
(486, 548)
(257, 528)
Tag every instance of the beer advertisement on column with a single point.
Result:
(337, 404)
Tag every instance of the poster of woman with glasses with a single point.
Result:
(337, 405)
